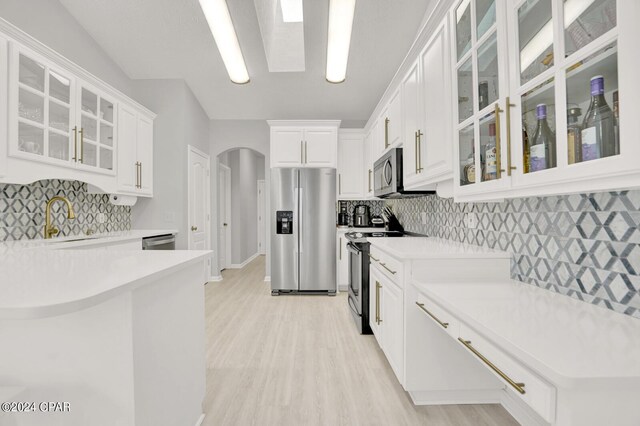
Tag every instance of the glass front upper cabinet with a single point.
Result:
(96, 131)
(567, 82)
(480, 84)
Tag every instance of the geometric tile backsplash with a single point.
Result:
(22, 209)
(582, 245)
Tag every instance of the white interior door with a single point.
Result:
(224, 216)
(198, 200)
(262, 233)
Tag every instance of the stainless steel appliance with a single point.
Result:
(303, 237)
(343, 214)
(159, 242)
(361, 218)
(387, 177)
(358, 248)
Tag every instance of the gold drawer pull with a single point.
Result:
(443, 324)
(385, 267)
(373, 258)
(517, 386)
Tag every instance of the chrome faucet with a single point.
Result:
(49, 229)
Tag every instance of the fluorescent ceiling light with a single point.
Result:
(339, 38)
(219, 20)
(544, 38)
(291, 10)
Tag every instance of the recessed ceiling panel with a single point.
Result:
(282, 29)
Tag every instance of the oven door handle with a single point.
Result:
(353, 306)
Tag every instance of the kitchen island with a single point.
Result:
(116, 337)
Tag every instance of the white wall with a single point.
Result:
(226, 135)
(49, 22)
(180, 122)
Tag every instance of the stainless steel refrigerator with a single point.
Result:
(303, 231)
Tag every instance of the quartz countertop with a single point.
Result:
(41, 283)
(432, 248)
(566, 340)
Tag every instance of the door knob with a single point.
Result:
(224, 224)
(194, 228)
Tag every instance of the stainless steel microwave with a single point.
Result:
(387, 177)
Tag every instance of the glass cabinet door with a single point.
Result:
(96, 132)
(567, 86)
(43, 110)
(481, 83)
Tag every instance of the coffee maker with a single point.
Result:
(361, 217)
(343, 216)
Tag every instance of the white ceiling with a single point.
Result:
(157, 39)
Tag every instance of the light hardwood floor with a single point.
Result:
(298, 360)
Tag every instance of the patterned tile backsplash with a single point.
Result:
(375, 207)
(582, 245)
(22, 209)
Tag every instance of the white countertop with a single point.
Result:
(83, 240)
(356, 229)
(40, 283)
(566, 340)
(432, 248)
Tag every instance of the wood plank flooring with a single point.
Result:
(298, 360)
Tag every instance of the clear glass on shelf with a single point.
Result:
(106, 159)
(467, 156)
(488, 74)
(31, 106)
(488, 151)
(90, 128)
(89, 154)
(30, 139)
(585, 21)
(31, 73)
(465, 91)
(89, 102)
(485, 16)
(106, 134)
(58, 146)
(59, 87)
(59, 117)
(539, 123)
(535, 37)
(106, 111)
(463, 28)
(592, 106)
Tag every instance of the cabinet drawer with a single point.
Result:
(388, 265)
(533, 390)
(439, 316)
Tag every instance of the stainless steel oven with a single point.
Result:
(359, 285)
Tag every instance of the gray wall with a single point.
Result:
(180, 122)
(50, 23)
(226, 135)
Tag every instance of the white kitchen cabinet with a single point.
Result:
(390, 124)
(548, 80)
(97, 129)
(342, 261)
(4, 73)
(135, 154)
(392, 323)
(375, 302)
(304, 143)
(367, 154)
(351, 183)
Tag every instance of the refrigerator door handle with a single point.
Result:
(296, 232)
(300, 227)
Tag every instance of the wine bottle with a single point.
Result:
(490, 155)
(574, 130)
(598, 127)
(542, 150)
(525, 147)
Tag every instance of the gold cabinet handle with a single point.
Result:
(81, 159)
(508, 118)
(339, 184)
(305, 152)
(340, 251)
(378, 287)
(386, 132)
(415, 147)
(517, 386)
(385, 267)
(194, 228)
(141, 175)
(137, 174)
(373, 258)
(443, 324)
(419, 151)
(369, 180)
(499, 169)
(301, 152)
(75, 143)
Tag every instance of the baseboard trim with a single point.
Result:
(455, 397)
(200, 420)
(214, 278)
(267, 278)
(245, 263)
(521, 411)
